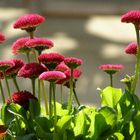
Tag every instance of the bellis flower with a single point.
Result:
(52, 76)
(73, 62)
(40, 44)
(76, 74)
(111, 68)
(28, 22)
(131, 17)
(2, 38)
(31, 70)
(19, 46)
(4, 65)
(131, 48)
(22, 98)
(51, 60)
(18, 63)
(62, 67)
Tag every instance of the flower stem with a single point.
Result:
(50, 99)
(54, 103)
(33, 85)
(8, 88)
(2, 92)
(71, 92)
(136, 75)
(76, 97)
(39, 98)
(61, 94)
(111, 80)
(28, 58)
(45, 97)
(15, 83)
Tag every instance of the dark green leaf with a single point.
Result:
(34, 108)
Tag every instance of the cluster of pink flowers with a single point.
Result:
(52, 67)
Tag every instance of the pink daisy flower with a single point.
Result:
(131, 17)
(22, 98)
(31, 70)
(28, 22)
(40, 44)
(131, 48)
(76, 74)
(73, 62)
(4, 65)
(111, 68)
(62, 67)
(2, 38)
(18, 63)
(19, 46)
(51, 60)
(52, 76)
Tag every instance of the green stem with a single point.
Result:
(71, 92)
(54, 103)
(39, 98)
(61, 90)
(15, 83)
(2, 92)
(45, 97)
(28, 57)
(111, 80)
(8, 88)
(50, 99)
(33, 85)
(136, 75)
(76, 97)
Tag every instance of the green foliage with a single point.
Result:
(118, 118)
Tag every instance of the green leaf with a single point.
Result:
(116, 136)
(17, 110)
(80, 124)
(98, 127)
(6, 116)
(44, 123)
(27, 137)
(61, 111)
(63, 123)
(109, 114)
(110, 96)
(34, 108)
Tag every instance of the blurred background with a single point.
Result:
(88, 29)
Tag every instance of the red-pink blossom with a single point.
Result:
(62, 67)
(51, 60)
(52, 75)
(40, 43)
(22, 98)
(19, 46)
(131, 48)
(31, 70)
(76, 74)
(131, 17)
(111, 68)
(6, 64)
(73, 62)
(28, 21)
(18, 63)
(2, 38)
